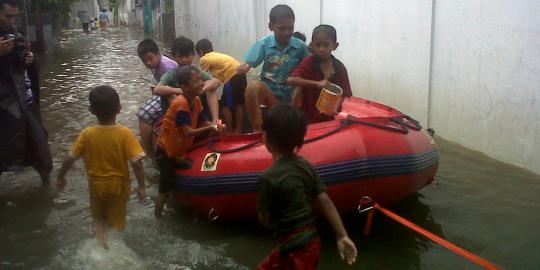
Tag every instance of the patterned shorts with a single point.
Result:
(150, 111)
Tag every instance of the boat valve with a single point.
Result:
(365, 204)
(213, 215)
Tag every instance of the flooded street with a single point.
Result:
(485, 206)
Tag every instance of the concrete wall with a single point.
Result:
(124, 9)
(129, 13)
(486, 77)
(468, 68)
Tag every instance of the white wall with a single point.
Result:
(385, 46)
(229, 24)
(90, 6)
(486, 77)
(124, 8)
(380, 68)
(480, 88)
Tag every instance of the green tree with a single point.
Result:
(59, 10)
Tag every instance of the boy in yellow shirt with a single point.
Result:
(224, 67)
(106, 149)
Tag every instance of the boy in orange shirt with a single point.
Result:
(106, 149)
(183, 121)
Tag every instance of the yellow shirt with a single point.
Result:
(221, 66)
(106, 151)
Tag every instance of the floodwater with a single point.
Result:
(485, 206)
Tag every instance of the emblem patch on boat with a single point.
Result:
(210, 162)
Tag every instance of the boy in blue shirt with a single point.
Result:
(279, 53)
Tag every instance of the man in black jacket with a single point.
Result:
(23, 140)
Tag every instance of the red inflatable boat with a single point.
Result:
(369, 149)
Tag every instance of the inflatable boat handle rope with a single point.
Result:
(367, 204)
(404, 122)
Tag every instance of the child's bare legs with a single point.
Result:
(159, 204)
(146, 138)
(213, 104)
(297, 97)
(239, 117)
(101, 233)
(258, 93)
(228, 119)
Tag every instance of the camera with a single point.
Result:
(19, 50)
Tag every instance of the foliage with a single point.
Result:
(55, 6)
(59, 9)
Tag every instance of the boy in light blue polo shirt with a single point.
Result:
(279, 53)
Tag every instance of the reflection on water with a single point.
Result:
(485, 206)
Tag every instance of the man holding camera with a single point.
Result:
(23, 140)
(8, 14)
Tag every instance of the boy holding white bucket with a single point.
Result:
(318, 72)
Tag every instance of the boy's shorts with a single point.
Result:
(150, 111)
(111, 208)
(233, 91)
(305, 256)
(167, 167)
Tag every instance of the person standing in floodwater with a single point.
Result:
(106, 149)
(288, 193)
(103, 19)
(85, 22)
(23, 139)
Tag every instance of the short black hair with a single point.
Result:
(326, 29)
(204, 45)
(299, 36)
(182, 46)
(147, 46)
(285, 127)
(13, 3)
(280, 12)
(183, 73)
(104, 102)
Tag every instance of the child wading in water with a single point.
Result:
(106, 149)
(183, 121)
(287, 192)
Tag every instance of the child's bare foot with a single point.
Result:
(102, 242)
(103, 245)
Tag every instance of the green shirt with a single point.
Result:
(170, 78)
(287, 190)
